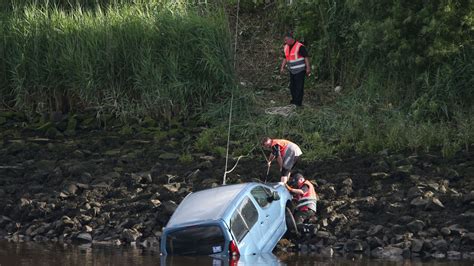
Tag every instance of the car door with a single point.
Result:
(271, 217)
(244, 226)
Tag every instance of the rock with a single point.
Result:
(354, 246)
(168, 156)
(398, 229)
(373, 230)
(406, 253)
(193, 175)
(205, 165)
(150, 242)
(469, 197)
(467, 216)
(82, 186)
(445, 231)
(114, 152)
(29, 231)
(389, 252)
(441, 245)
(77, 168)
(347, 182)
(84, 237)
(468, 238)
(71, 126)
(456, 229)
(414, 192)
(405, 168)
(438, 255)
(405, 219)
(442, 189)
(428, 194)
(357, 233)
(416, 245)
(433, 232)
(170, 206)
(52, 133)
(207, 158)
(416, 226)
(454, 255)
(39, 238)
(419, 202)
(24, 202)
(284, 244)
(375, 242)
(435, 203)
(72, 189)
(345, 191)
(173, 187)
(323, 234)
(155, 202)
(4, 220)
(130, 235)
(380, 175)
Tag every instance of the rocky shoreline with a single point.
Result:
(70, 181)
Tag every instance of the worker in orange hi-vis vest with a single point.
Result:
(285, 152)
(304, 196)
(296, 59)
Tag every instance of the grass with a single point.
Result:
(351, 124)
(164, 60)
(149, 58)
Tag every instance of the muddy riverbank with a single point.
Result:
(72, 181)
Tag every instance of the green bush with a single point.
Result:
(412, 48)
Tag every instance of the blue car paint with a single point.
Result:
(261, 238)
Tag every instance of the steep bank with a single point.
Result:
(108, 188)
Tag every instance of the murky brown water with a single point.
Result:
(56, 254)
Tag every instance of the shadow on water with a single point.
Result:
(63, 254)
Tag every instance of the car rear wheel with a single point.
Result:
(290, 222)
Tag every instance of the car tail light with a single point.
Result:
(233, 249)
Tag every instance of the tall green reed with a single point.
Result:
(159, 58)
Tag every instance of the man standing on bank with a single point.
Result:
(285, 152)
(296, 58)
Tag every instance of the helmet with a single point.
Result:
(296, 180)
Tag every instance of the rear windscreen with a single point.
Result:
(196, 240)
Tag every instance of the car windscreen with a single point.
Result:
(196, 240)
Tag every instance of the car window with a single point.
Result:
(261, 194)
(243, 219)
(196, 240)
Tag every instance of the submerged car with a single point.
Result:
(241, 219)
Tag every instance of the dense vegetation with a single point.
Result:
(129, 58)
(410, 49)
(406, 68)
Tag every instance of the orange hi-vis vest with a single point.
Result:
(283, 143)
(294, 61)
(308, 199)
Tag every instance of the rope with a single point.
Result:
(228, 140)
(232, 100)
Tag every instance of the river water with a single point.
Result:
(63, 254)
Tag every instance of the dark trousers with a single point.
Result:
(297, 87)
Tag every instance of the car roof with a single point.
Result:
(208, 204)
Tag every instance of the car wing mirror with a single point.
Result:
(275, 196)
